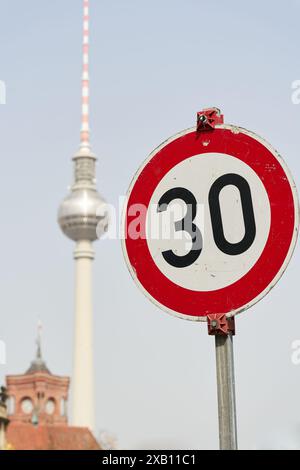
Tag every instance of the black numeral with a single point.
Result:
(216, 216)
(185, 225)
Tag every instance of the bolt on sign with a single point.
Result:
(217, 215)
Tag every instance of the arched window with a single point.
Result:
(50, 406)
(26, 405)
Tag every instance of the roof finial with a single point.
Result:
(85, 129)
(39, 340)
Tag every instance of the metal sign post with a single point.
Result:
(223, 330)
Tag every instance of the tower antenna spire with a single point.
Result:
(85, 127)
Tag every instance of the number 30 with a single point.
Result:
(187, 224)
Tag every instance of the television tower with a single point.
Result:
(83, 218)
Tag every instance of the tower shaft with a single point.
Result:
(83, 368)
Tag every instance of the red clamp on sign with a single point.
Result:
(208, 119)
(219, 324)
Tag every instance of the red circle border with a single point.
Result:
(235, 297)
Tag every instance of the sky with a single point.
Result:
(153, 66)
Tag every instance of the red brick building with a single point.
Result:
(37, 412)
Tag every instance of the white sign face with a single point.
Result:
(218, 219)
(214, 269)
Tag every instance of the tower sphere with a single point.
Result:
(83, 215)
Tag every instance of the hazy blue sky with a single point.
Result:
(154, 64)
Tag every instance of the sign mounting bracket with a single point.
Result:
(220, 324)
(207, 119)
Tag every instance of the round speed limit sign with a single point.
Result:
(210, 223)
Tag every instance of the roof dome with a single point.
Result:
(38, 365)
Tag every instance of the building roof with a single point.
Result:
(29, 437)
